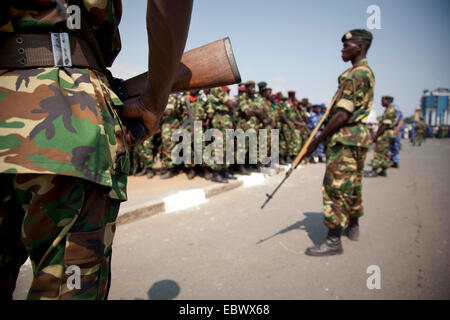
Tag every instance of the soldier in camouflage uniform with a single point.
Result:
(420, 133)
(63, 152)
(144, 157)
(347, 140)
(250, 108)
(192, 108)
(219, 107)
(383, 137)
(169, 123)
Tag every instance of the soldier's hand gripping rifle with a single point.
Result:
(302, 152)
(208, 66)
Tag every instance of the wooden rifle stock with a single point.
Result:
(208, 66)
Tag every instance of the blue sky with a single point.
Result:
(295, 45)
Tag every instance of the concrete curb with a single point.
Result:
(189, 198)
(152, 209)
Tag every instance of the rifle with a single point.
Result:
(303, 151)
(208, 66)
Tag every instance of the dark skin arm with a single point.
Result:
(380, 131)
(167, 29)
(336, 122)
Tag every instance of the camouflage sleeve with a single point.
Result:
(389, 116)
(354, 91)
(209, 106)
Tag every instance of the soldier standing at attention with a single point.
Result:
(64, 161)
(420, 132)
(383, 139)
(219, 107)
(396, 142)
(169, 123)
(347, 139)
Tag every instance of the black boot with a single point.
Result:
(383, 173)
(371, 174)
(218, 177)
(395, 165)
(168, 174)
(150, 173)
(229, 175)
(141, 173)
(331, 245)
(353, 229)
(190, 174)
(243, 170)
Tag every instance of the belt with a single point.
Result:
(45, 50)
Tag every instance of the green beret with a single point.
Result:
(262, 84)
(357, 34)
(249, 83)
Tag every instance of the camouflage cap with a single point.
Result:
(357, 34)
(262, 84)
(388, 97)
(249, 83)
(266, 88)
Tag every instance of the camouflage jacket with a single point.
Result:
(197, 108)
(39, 16)
(247, 103)
(217, 100)
(389, 118)
(62, 121)
(355, 92)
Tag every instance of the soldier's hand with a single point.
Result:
(135, 108)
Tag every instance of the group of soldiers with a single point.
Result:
(216, 109)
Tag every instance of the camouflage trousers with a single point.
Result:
(418, 139)
(381, 157)
(221, 122)
(167, 144)
(144, 154)
(65, 225)
(342, 187)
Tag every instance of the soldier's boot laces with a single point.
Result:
(353, 230)
(218, 177)
(150, 173)
(168, 174)
(331, 245)
(383, 173)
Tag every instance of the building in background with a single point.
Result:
(434, 107)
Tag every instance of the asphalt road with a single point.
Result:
(228, 248)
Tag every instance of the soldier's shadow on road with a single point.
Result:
(163, 290)
(312, 224)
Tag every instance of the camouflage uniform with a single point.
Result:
(293, 136)
(221, 120)
(144, 154)
(169, 123)
(198, 113)
(420, 133)
(283, 145)
(346, 149)
(381, 157)
(63, 161)
(245, 123)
